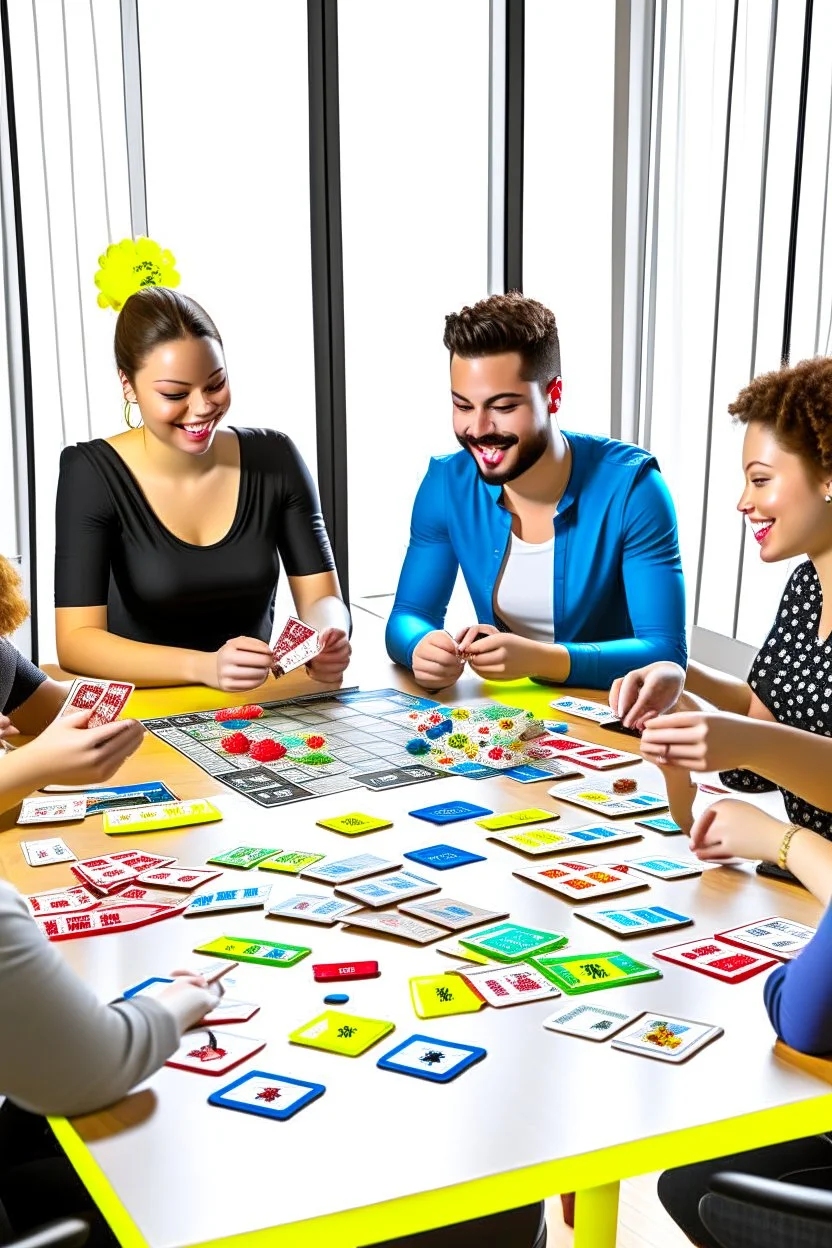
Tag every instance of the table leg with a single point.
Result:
(596, 1216)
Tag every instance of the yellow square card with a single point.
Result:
(354, 824)
(435, 996)
(349, 1034)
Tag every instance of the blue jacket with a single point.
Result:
(619, 595)
(798, 996)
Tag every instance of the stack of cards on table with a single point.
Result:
(120, 917)
(105, 698)
(46, 852)
(297, 644)
(716, 958)
(110, 872)
(52, 809)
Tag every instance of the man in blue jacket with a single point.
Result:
(567, 541)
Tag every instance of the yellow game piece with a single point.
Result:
(159, 816)
(435, 996)
(349, 1034)
(354, 824)
(515, 818)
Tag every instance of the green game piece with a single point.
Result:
(244, 856)
(591, 972)
(262, 952)
(291, 861)
(315, 759)
(511, 942)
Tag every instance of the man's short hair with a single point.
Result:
(510, 322)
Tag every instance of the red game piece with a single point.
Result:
(326, 972)
(624, 785)
(238, 712)
(315, 742)
(236, 743)
(267, 751)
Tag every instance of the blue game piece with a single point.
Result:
(234, 724)
(429, 1058)
(439, 730)
(555, 725)
(271, 1096)
(417, 745)
(443, 857)
(450, 812)
(336, 998)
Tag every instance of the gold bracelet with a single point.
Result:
(784, 846)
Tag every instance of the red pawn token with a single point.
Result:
(248, 712)
(267, 751)
(316, 743)
(624, 785)
(236, 743)
(227, 712)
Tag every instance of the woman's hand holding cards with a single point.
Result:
(68, 752)
(647, 692)
(190, 997)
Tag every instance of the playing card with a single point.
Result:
(44, 853)
(582, 753)
(782, 938)
(585, 882)
(52, 809)
(600, 797)
(313, 908)
(589, 1021)
(253, 898)
(291, 861)
(429, 1058)
(396, 777)
(525, 773)
(381, 890)
(509, 985)
(62, 901)
(664, 868)
(184, 878)
(244, 856)
(516, 819)
(83, 695)
(297, 644)
(511, 942)
(537, 841)
(271, 1096)
(101, 799)
(435, 996)
(210, 1052)
(159, 817)
(455, 915)
(394, 924)
(591, 972)
(443, 857)
(119, 918)
(605, 834)
(669, 1039)
(344, 870)
(449, 812)
(354, 824)
(139, 859)
(715, 958)
(583, 708)
(102, 874)
(660, 823)
(632, 922)
(260, 952)
(111, 703)
(348, 1034)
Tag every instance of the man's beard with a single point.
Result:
(529, 452)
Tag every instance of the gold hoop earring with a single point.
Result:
(127, 406)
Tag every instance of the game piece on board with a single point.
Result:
(157, 818)
(391, 923)
(354, 823)
(52, 809)
(247, 712)
(345, 870)
(782, 938)
(270, 1096)
(625, 784)
(660, 823)
(348, 1034)
(313, 908)
(450, 913)
(260, 952)
(634, 921)
(715, 958)
(417, 746)
(330, 972)
(664, 868)
(228, 899)
(243, 856)
(208, 1052)
(236, 743)
(517, 818)
(449, 812)
(429, 1058)
(511, 942)
(590, 1021)
(669, 1039)
(600, 797)
(290, 861)
(591, 972)
(72, 900)
(46, 852)
(435, 996)
(185, 878)
(508, 985)
(581, 881)
(443, 857)
(267, 751)
(381, 890)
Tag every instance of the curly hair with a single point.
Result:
(510, 322)
(796, 405)
(13, 607)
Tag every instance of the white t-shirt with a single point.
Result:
(524, 597)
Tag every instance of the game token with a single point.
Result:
(261, 952)
(417, 745)
(336, 998)
(555, 725)
(354, 823)
(443, 857)
(270, 1096)
(624, 785)
(327, 972)
(589, 1021)
(435, 996)
(449, 812)
(267, 751)
(239, 712)
(429, 1058)
(236, 743)
(517, 818)
(510, 942)
(348, 1034)
(591, 972)
(669, 1039)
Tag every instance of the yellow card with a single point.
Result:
(349, 1034)
(354, 824)
(515, 818)
(435, 996)
(537, 840)
(159, 816)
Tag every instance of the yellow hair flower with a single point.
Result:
(129, 265)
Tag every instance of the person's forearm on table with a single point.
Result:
(96, 652)
(792, 758)
(727, 693)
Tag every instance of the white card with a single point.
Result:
(450, 913)
(313, 907)
(213, 1052)
(394, 924)
(344, 870)
(663, 867)
(633, 921)
(382, 890)
(668, 1039)
(183, 878)
(783, 938)
(590, 1021)
(581, 754)
(583, 708)
(588, 881)
(252, 898)
(62, 901)
(534, 841)
(52, 809)
(599, 796)
(44, 853)
(509, 985)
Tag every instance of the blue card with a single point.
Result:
(271, 1096)
(660, 823)
(429, 1058)
(450, 812)
(114, 796)
(472, 771)
(526, 774)
(443, 857)
(143, 986)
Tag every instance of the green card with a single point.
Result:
(263, 952)
(515, 819)
(510, 942)
(589, 972)
(244, 856)
(291, 861)
(354, 824)
(349, 1034)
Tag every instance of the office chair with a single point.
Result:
(744, 1211)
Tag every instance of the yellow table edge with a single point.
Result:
(594, 1176)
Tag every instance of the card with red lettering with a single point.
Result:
(103, 875)
(122, 918)
(508, 985)
(716, 958)
(140, 860)
(210, 1052)
(52, 809)
(111, 703)
(62, 901)
(184, 878)
(46, 852)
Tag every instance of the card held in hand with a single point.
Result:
(296, 645)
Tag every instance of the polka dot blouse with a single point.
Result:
(792, 677)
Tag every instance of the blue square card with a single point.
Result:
(450, 812)
(429, 1058)
(443, 857)
(271, 1096)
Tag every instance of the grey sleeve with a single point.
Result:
(62, 1051)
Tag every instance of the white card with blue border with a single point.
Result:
(425, 1057)
(270, 1096)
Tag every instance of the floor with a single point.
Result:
(642, 1223)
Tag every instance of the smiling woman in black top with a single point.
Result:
(170, 536)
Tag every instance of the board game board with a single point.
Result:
(334, 742)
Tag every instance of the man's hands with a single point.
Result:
(646, 692)
(67, 752)
(329, 664)
(733, 829)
